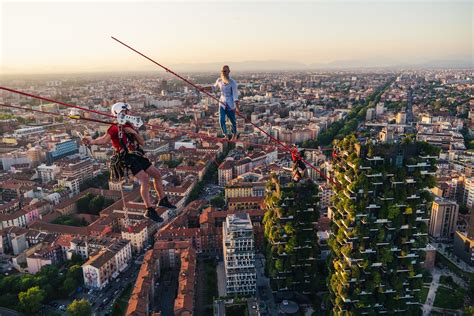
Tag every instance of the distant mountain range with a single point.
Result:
(278, 65)
(256, 66)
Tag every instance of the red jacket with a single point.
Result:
(113, 131)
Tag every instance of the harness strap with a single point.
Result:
(120, 136)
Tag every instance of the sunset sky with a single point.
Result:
(44, 37)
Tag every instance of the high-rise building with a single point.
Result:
(464, 243)
(379, 109)
(468, 197)
(379, 231)
(239, 255)
(61, 149)
(82, 170)
(444, 215)
(370, 115)
(292, 210)
(225, 172)
(409, 107)
(36, 155)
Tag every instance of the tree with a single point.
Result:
(83, 203)
(96, 204)
(218, 201)
(30, 301)
(69, 286)
(9, 300)
(75, 272)
(76, 260)
(469, 311)
(79, 308)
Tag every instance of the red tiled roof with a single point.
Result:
(139, 301)
(184, 302)
(64, 240)
(12, 216)
(228, 164)
(61, 229)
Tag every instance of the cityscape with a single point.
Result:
(289, 187)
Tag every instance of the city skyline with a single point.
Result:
(248, 35)
(355, 234)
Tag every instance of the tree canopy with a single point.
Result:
(79, 308)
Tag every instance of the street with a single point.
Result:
(267, 304)
(102, 304)
(101, 300)
(210, 191)
(428, 305)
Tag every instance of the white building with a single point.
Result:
(17, 218)
(379, 109)
(73, 184)
(28, 131)
(239, 255)
(48, 173)
(138, 236)
(370, 115)
(9, 160)
(107, 264)
(469, 192)
(191, 144)
(81, 170)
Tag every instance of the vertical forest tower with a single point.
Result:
(379, 226)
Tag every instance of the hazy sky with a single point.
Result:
(39, 36)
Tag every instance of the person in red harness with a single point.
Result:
(127, 141)
(298, 170)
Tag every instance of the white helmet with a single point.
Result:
(119, 107)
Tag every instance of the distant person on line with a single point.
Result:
(229, 101)
(125, 146)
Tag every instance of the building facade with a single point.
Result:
(291, 213)
(107, 264)
(61, 149)
(444, 215)
(379, 231)
(239, 255)
(48, 173)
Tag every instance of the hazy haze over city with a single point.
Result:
(50, 37)
(331, 174)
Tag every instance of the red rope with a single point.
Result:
(216, 99)
(58, 102)
(28, 109)
(57, 114)
(154, 127)
(202, 90)
(200, 135)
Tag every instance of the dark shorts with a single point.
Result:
(300, 164)
(136, 163)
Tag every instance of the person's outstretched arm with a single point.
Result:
(104, 139)
(212, 88)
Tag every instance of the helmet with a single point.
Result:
(119, 107)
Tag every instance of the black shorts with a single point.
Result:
(301, 165)
(136, 163)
